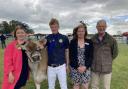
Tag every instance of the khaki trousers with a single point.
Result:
(97, 77)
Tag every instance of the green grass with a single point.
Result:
(119, 76)
(120, 69)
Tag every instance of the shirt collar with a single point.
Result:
(56, 34)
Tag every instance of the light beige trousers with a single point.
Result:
(97, 77)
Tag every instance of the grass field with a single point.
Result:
(119, 76)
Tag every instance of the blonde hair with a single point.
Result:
(53, 21)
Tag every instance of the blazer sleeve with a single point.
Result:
(88, 61)
(8, 59)
(72, 55)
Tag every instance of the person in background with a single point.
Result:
(16, 69)
(105, 51)
(2, 38)
(80, 54)
(127, 40)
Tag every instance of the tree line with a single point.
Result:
(9, 27)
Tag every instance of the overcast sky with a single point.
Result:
(37, 13)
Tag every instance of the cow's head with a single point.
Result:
(33, 51)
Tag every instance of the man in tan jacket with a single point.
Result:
(105, 51)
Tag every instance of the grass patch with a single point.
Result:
(119, 76)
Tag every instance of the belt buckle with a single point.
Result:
(53, 65)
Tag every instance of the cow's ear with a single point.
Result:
(26, 46)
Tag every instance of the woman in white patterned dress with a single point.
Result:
(80, 53)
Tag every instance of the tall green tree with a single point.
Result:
(5, 27)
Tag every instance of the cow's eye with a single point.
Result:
(36, 57)
(36, 53)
